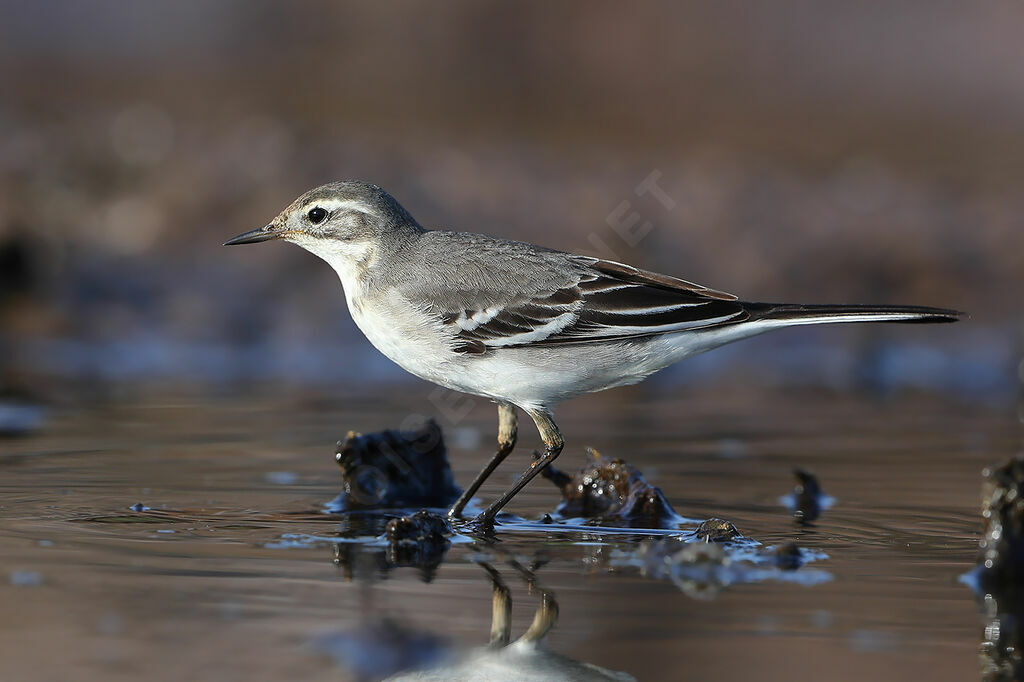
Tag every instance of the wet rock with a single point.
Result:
(787, 556)
(807, 497)
(612, 492)
(717, 530)
(1001, 550)
(21, 270)
(395, 469)
(420, 541)
(807, 500)
(420, 527)
(998, 578)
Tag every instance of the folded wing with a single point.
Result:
(603, 301)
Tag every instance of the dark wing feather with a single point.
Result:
(627, 273)
(606, 301)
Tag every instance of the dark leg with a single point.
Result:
(507, 429)
(553, 443)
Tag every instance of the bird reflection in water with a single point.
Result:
(410, 654)
(527, 658)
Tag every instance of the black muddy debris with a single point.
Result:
(998, 578)
(393, 469)
(611, 492)
(717, 530)
(807, 500)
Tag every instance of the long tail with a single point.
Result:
(793, 314)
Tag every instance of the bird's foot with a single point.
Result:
(454, 515)
(480, 526)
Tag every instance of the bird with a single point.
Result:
(522, 325)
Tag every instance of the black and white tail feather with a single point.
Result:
(826, 313)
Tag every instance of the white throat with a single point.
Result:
(349, 259)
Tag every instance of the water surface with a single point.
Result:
(231, 569)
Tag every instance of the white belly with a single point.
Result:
(417, 344)
(525, 376)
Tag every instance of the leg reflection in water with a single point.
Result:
(527, 658)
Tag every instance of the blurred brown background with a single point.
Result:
(811, 151)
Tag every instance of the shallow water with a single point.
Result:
(233, 570)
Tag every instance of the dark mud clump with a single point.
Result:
(419, 528)
(717, 530)
(612, 492)
(788, 557)
(1001, 550)
(1000, 572)
(417, 541)
(420, 540)
(807, 498)
(391, 469)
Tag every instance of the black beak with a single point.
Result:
(261, 234)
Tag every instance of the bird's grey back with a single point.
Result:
(457, 270)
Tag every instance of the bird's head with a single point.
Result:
(342, 222)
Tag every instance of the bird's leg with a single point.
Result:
(553, 443)
(507, 430)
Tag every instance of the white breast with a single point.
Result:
(405, 335)
(408, 337)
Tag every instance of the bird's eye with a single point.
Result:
(316, 215)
